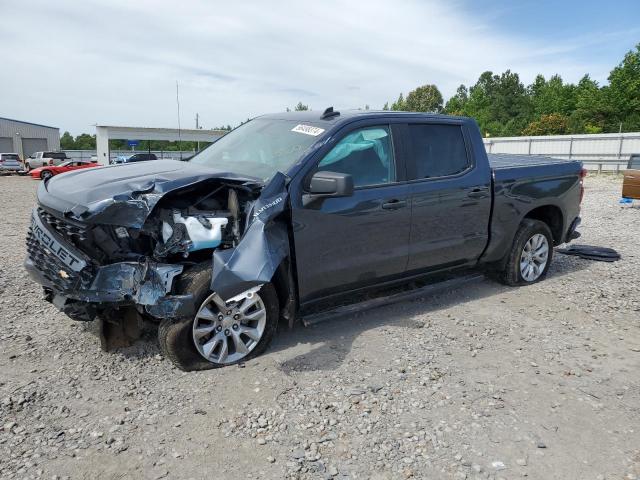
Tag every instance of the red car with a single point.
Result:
(49, 171)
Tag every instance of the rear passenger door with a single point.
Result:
(450, 196)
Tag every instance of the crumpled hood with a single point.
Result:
(124, 194)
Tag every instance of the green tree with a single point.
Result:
(85, 142)
(552, 124)
(300, 107)
(457, 104)
(67, 142)
(426, 98)
(552, 96)
(623, 93)
(500, 104)
(591, 108)
(398, 104)
(385, 106)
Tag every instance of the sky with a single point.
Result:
(74, 64)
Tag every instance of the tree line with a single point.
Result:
(88, 142)
(503, 106)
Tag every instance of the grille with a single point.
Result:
(50, 266)
(72, 232)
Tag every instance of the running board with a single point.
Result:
(410, 295)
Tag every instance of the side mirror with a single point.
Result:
(331, 184)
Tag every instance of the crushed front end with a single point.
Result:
(110, 241)
(81, 286)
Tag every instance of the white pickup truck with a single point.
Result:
(41, 159)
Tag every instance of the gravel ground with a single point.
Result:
(483, 381)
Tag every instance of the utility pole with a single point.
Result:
(197, 127)
(179, 129)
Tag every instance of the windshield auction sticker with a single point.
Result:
(308, 130)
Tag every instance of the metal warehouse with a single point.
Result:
(25, 138)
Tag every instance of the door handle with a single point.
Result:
(394, 204)
(478, 193)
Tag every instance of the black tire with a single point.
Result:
(511, 274)
(175, 335)
(27, 167)
(45, 174)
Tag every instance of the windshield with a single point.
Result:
(261, 147)
(65, 164)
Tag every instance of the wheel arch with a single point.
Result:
(551, 215)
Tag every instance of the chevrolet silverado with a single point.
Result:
(287, 212)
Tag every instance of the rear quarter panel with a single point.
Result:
(519, 190)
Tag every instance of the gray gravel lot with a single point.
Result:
(483, 381)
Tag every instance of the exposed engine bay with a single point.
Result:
(189, 224)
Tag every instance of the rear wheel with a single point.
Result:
(27, 167)
(221, 333)
(530, 255)
(46, 175)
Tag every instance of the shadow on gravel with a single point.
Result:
(337, 335)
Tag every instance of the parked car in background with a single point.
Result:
(10, 162)
(136, 157)
(41, 159)
(631, 181)
(46, 172)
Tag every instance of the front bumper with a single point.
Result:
(81, 289)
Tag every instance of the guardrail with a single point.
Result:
(610, 165)
(604, 152)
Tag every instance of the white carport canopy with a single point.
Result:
(104, 133)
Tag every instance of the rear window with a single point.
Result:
(634, 162)
(436, 150)
(10, 156)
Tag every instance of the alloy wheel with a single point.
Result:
(534, 257)
(226, 332)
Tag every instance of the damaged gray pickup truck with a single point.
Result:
(288, 212)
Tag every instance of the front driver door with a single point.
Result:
(351, 242)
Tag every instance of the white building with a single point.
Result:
(25, 138)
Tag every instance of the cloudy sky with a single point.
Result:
(73, 64)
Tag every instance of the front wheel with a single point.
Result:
(27, 167)
(221, 333)
(46, 175)
(530, 255)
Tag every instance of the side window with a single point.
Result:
(437, 150)
(365, 154)
(634, 162)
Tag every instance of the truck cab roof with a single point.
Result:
(344, 116)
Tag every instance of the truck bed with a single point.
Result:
(530, 168)
(505, 160)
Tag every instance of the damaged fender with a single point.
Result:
(264, 246)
